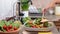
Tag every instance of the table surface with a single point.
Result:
(54, 31)
(49, 17)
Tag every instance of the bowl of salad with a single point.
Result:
(9, 27)
(37, 24)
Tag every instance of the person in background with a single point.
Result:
(43, 4)
(52, 4)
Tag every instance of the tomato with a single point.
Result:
(37, 26)
(7, 29)
(15, 28)
(4, 27)
(34, 26)
(10, 26)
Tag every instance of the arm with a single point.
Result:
(52, 4)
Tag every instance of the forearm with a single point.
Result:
(52, 4)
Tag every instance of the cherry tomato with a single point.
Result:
(4, 27)
(7, 29)
(10, 26)
(33, 26)
(15, 28)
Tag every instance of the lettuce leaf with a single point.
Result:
(8, 23)
(2, 23)
(16, 25)
(24, 0)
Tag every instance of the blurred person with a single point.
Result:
(44, 4)
(52, 4)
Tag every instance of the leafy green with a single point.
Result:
(49, 24)
(37, 21)
(16, 25)
(26, 19)
(8, 23)
(2, 23)
(45, 24)
(25, 7)
(1, 29)
(24, 0)
(28, 25)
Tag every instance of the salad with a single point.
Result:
(8, 26)
(36, 23)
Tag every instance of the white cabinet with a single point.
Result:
(57, 10)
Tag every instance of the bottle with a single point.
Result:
(51, 11)
(57, 9)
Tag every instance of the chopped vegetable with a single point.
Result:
(45, 24)
(7, 26)
(36, 23)
(24, 0)
(28, 25)
(26, 19)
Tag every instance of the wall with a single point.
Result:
(41, 3)
(45, 3)
(6, 8)
(52, 3)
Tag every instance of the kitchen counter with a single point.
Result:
(49, 17)
(53, 17)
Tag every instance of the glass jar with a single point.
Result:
(57, 9)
